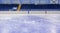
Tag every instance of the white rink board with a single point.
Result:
(29, 12)
(13, 12)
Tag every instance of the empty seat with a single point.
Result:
(25, 1)
(34, 1)
(15, 1)
(53, 1)
(5, 1)
(44, 1)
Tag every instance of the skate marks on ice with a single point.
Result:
(29, 24)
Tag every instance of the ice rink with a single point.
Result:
(29, 23)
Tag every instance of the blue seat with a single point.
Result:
(59, 1)
(0, 1)
(25, 1)
(15, 1)
(44, 1)
(34, 1)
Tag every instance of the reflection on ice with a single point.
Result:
(29, 24)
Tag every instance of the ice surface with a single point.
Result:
(16, 23)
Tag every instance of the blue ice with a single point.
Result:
(28, 24)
